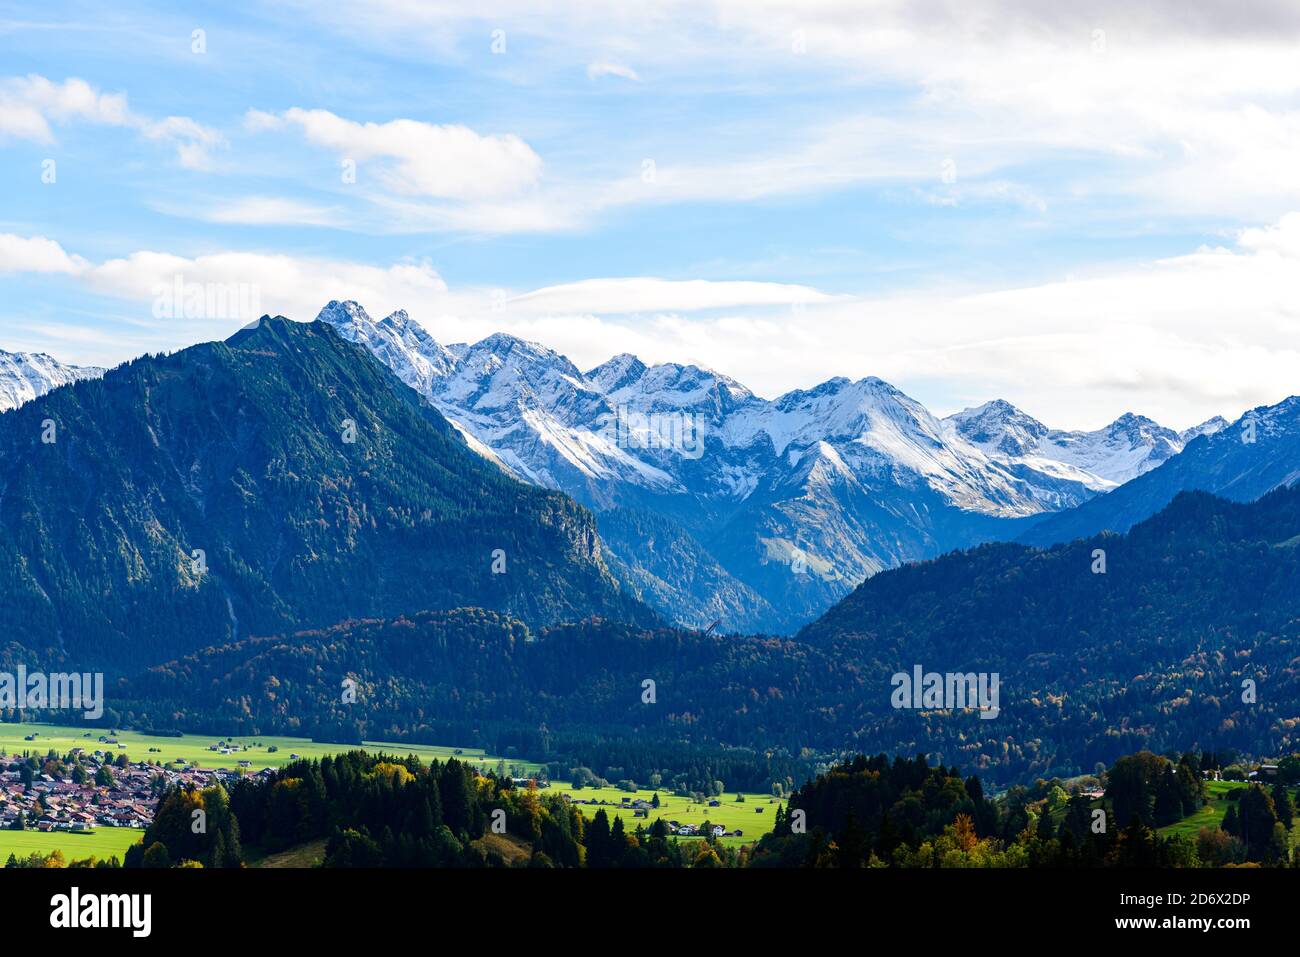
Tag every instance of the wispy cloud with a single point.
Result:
(31, 105)
(648, 295)
(1183, 112)
(603, 68)
(1210, 332)
(270, 211)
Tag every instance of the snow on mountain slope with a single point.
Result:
(552, 424)
(401, 344)
(628, 383)
(531, 406)
(1098, 461)
(1241, 461)
(1208, 427)
(26, 375)
(799, 498)
(881, 432)
(868, 423)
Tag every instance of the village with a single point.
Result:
(96, 785)
(93, 786)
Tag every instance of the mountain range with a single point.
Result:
(231, 529)
(765, 512)
(719, 508)
(26, 375)
(1257, 453)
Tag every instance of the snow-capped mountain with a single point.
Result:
(1208, 427)
(626, 381)
(524, 406)
(1097, 461)
(644, 426)
(796, 499)
(869, 428)
(400, 343)
(26, 375)
(1241, 461)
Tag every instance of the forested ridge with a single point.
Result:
(1151, 654)
(281, 479)
(734, 708)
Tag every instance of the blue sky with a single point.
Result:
(1085, 213)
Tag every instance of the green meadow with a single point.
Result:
(103, 843)
(194, 748)
(754, 816)
(1216, 806)
(1211, 815)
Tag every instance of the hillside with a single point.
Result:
(279, 480)
(1152, 653)
(665, 566)
(473, 676)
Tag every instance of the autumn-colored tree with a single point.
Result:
(964, 832)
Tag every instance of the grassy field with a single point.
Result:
(1211, 815)
(730, 813)
(193, 748)
(103, 842)
(1216, 806)
(304, 855)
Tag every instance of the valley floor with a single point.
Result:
(744, 817)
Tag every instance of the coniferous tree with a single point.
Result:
(617, 842)
(851, 844)
(1282, 805)
(1230, 823)
(598, 841)
(1044, 831)
(1168, 807)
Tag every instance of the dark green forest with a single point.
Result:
(316, 486)
(1150, 655)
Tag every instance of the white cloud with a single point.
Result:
(1282, 238)
(546, 212)
(648, 294)
(282, 284)
(1215, 331)
(260, 121)
(236, 287)
(20, 254)
(271, 211)
(30, 103)
(193, 141)
(603, 68)
(1083, 111)
(1188, 112)
(424, 159)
